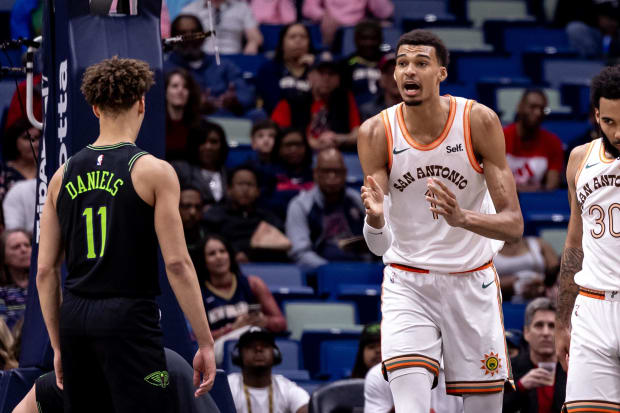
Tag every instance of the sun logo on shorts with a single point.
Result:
(491, 363)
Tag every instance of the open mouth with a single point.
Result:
(411, 88)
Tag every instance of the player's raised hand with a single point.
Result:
(562, 345)
(204, 364)
(372, 197)
(444, 203)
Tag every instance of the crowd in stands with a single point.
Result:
(288, 200)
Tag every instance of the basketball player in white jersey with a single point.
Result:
(588, 315)
(451, 202)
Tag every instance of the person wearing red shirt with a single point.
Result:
(541, 382)
(535, 155)
(327, 113)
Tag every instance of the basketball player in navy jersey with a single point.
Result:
(451, 202)
(588, 302)
(107, 209)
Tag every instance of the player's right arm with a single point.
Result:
(157, 183)
(372, 149)
(572, 258)
(48, 269)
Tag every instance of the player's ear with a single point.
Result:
(96, 111)
(597, 115)
(443, 73)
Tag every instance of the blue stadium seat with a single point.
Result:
(285, 281)
(519, 39)
(514, 315)
(221, 393)
(238, 155)
(337, 358)
(420, 9)
(311, 343)
(567, 130)
(355, 175)
(471, 67)
(367, 299)
(335, 274)
(302, 315)
(544, 208)
(249, 64)
(467, 90)
(558, 71)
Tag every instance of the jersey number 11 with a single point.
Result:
(90, 238)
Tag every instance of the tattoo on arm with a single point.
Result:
(572, 259)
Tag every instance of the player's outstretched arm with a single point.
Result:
(572, 258)
(489, 144)
(156, 181)
(48, 269)
(372, 150)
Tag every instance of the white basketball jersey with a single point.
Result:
(598, 194)
(422, 239)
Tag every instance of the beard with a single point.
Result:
(413, 103)
(609, 148)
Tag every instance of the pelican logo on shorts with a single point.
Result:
(613, 294)
(491, 363)
(99, 160)
(158, 378)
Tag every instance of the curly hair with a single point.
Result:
(426, 38)
(115, 84)
(605, 85)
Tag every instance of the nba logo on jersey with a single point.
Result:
(99, 160)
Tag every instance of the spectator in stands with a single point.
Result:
(256, 234)
(20, 144)
(15, 250)
(360, 70)
(274, 11)
(534, 154)
(263, 138)
(256, 389)
(287, 73)
(319, 220)
(191, 209)
(541, 381)
(182, 111)
(207, 151)
(592, 28)
(7, 357)
(17, 107)
(19, 205)
(333, 14)
(233, 302)
(223, 89)
(368, 352)
(388, 95)
(233, 22)
(292, 159)
(525, 267)
(327, 114)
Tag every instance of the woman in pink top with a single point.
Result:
(332, 14)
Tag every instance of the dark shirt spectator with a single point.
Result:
(317, 221)
(182, 111)
(287, 73)
(263, 138)
(191, 210)
(292, 170)
(368, 352)
(19, 154)
(534, 155)
(256, 234)
(541, 381)
(327, 114)
(388, 95)
(207, 151)
(223, 89)
(234, 23)
(360, 70)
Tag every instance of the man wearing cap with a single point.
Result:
(255, 389)
(388, 94)
(541, 383)
(327, 114)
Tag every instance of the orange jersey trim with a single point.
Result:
(440, 138)
(501, 318)
(599, 295)
(467, 134)
(583, 162)
(388, 137)
(423, 271)
(601, 154)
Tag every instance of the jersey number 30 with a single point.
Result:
(90, 237)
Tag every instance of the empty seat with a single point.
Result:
(519, 39)
(237, 129)
(480, 10)
(367, 299)
(275, 273)
(554, 236)
(238, 155)
(558, 71)
(313, 339)
(471, 67)
(343, 395)
(568, 130)
(548, 209)
(335, 274)
(514, 315)
(313, 314)
(337, 358)
(459, 38)
(355, 175)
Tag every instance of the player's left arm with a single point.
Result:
(48, 269)
(490, 147)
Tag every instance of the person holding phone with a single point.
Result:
(233, 301)
(541, 383)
